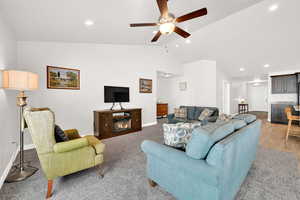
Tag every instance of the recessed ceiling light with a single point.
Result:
(188, 41)
(154, 32)
(167, 75)
(89, 23)
(176, 45)
(266, 65)
(273, 7)
(242, 69)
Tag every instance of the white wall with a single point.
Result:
(221, 77)
(201, 86)
(238, 91)
(8, 108)
(258, 97)
(116, 65)
(163, 89)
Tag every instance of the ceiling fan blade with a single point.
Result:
(181, 32)
(143, 24)
(157, 35)
(163, 7)
(192, 15)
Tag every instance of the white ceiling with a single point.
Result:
(249, 39)
(62, 20)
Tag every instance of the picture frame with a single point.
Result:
(183, 86)
(63, 78)
(145, 85)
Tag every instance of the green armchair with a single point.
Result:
(60, 159)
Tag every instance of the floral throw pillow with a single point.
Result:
(178, 135)
(180, 113)
(205, 114)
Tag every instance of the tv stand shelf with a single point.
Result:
(105, 122)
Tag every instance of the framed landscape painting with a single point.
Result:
(145, 85)
(63, 78)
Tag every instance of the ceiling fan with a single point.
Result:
(167, 21)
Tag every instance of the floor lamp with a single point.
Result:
(20, 81)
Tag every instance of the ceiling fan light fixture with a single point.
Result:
(167, 28)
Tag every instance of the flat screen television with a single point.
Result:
(116, 94)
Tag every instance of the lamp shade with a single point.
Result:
(19, 80)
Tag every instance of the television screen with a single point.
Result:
(116, 94)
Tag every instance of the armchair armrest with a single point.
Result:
(72, 134)
(95, 143)
(70, 145)
(179, 159)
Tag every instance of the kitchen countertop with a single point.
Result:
(284, 102)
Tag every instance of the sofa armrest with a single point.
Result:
(180, 160)
(170, 116)
(95, 143)
(212, 119)
(70, 145)
(72, 134)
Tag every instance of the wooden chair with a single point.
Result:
(291, 118)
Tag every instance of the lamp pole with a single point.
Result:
(21, 171)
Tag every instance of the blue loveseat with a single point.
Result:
(213, 167)
(193, 113)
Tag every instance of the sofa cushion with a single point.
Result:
(190, 112)
(204, 138)
(248, 118)
(238, 124)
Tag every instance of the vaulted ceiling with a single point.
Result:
(63, 20)
(235, 33)
(249, 39)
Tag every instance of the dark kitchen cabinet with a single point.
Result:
(291, 84)
(278, 114)
(284, 84)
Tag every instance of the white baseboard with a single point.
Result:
(8, 167)
(29, 146)
(149, 124)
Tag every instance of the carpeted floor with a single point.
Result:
(274, 176)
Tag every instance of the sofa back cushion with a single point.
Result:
(205, 137)
(248, 118)
(190, 112)
(199, 110)
(238, 124)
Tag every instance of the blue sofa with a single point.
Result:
(193, 113)
(213, 167)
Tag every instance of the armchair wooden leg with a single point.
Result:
(288, 131)
(152, 183)
(100, 171)
(49, 191)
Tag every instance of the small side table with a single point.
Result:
(243, 108)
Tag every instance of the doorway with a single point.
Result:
(226, 97)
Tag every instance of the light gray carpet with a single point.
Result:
(274, 176)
